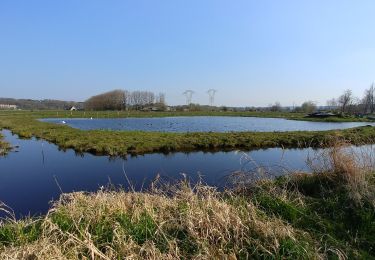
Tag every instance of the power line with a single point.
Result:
(211, 96)
(188, 94)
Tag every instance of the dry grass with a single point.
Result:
(349, 167)
(194, 223)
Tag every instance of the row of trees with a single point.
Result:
(45, 104)
(123, 100)
(348, 103)
(306, 107)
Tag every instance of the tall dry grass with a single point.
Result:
(347, 166)
(188, 222)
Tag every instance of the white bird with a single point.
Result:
(91, 118)
(63, 122)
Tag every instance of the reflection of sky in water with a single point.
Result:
(203, 124)
(29, 177)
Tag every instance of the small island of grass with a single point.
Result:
(119, 143)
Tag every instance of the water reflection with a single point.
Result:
(39, 171)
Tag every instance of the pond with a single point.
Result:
(203, 124)
(37, 172)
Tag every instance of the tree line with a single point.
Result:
(45, 104)
(125, 100)
(346, 103)
(350, 104)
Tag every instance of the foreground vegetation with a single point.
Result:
(119, 143)
(329, 214)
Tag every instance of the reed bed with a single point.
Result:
(191, 222)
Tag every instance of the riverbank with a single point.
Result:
(4, 146)
(328, 214)
(120, 143)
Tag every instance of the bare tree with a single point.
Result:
(308, 106)
(149, 97)
(345, 100)
(332, 104)
(161, 98)
(368, 100)
(112, 100)
(136, 99)
(355, 107)
(126, 101)
(121, 99)
(276, 107)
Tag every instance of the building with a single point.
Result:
(8, 107)
(155, 109)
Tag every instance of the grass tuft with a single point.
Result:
(4, 146)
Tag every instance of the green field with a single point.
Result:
(325, 215)
(118, 143)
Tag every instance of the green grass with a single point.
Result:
(331, 215)
(21, 232)
(118, 143)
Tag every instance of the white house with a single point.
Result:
(7, 106)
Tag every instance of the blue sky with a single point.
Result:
(253, 52)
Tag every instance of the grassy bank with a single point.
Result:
(4, 146)
(118, 143)
(122, 114)
(329, 214)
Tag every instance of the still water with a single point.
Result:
(37, 172)
(203, 124)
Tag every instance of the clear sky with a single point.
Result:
(254, 52)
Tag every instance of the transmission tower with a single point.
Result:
(211, 96)
(188, 94)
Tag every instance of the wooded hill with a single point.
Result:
(30, 104)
